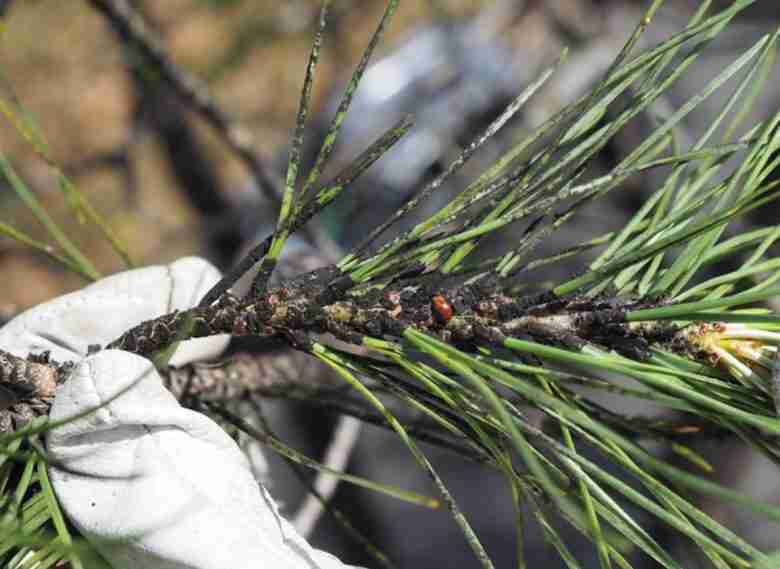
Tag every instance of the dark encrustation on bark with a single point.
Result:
(327, 301)
(318, 303)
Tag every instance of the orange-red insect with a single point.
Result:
(442, 308)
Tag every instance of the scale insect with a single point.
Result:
(442, 308)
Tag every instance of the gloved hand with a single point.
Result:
(152, 485)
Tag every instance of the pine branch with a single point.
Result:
(28, 384)
(470, 314)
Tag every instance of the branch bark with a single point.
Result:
(28, 386)
(317, 302)
(312, 304)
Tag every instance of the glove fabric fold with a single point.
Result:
(151, 484)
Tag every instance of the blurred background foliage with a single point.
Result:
(67, 68)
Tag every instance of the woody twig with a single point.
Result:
(28, 385)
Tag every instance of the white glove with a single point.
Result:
(152, 485)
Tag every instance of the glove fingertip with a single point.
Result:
(191, 278)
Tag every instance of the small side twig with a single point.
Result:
(336, 457)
